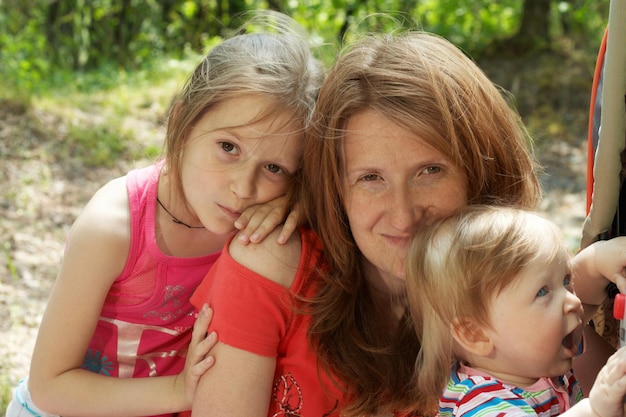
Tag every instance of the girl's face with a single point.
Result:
(394, 183)
(536, 323)
(232, 161)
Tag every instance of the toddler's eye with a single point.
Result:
(567, 283)
(542, 292)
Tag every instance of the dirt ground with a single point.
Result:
(42, 194)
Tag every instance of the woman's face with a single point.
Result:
(394, 184)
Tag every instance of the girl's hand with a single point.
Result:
(198, 359)
(607, 394)
(256, 222)
(610, 260)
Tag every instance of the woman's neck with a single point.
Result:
(387, 292)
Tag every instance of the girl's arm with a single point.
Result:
(592, 270)
(594, 267)
(95, 255)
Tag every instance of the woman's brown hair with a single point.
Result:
(428, 86)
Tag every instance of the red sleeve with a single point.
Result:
(251, 312)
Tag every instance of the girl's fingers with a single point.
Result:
(200, 327)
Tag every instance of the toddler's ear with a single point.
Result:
(471, 336)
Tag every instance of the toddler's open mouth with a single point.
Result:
(573, 341)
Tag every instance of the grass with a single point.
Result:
(6, 392)
(111, 115)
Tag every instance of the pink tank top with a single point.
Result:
(146, 321)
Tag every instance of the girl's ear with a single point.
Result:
(472, 337)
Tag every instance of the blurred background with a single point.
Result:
(85, 86)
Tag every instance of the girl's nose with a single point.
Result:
(243, 183)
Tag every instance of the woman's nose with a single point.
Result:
(405, 210)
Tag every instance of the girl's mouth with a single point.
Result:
(231, 213)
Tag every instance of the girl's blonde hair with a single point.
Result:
(455, 269)
(425, 84)
(276, 61)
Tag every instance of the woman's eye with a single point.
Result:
(228, 147)
(274, 169)
(432, 170)
(370, 177)
(542, 292)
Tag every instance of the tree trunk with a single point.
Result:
(122, 32)
(533, 34)
(535, 27)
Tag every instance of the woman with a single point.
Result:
(407, 130)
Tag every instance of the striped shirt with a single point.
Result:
(472, 393)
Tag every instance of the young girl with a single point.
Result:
(499, 321)
(120, 310)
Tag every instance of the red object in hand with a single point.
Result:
(618, 306)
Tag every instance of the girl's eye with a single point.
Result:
(542, 292)
(228, 147)
(274, 169)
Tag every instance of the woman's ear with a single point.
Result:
(472, 337)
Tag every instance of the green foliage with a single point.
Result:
(22, 60)
(38, 38)
(471, 25)
(583, 20)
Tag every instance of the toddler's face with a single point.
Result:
(537, 321)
